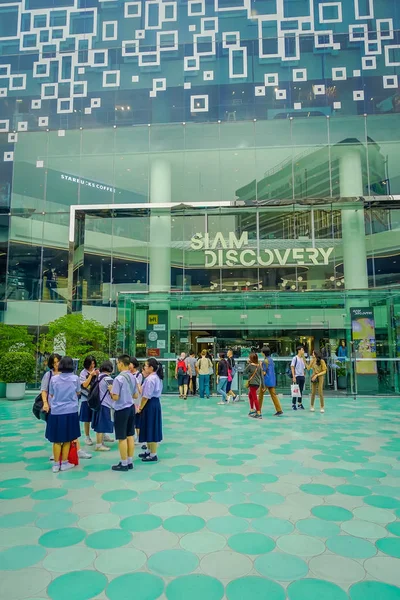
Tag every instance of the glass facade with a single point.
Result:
(231, 162)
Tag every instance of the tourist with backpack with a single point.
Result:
(62, 426)
(99, 401)
(181, 374)
(268, 368)
(123, 392)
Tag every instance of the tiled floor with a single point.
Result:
(303, 507)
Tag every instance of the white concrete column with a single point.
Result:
(353, 224)
(160, 228)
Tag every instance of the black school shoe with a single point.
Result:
(300, 406)
(150, 458)
(120, 467)
(279, 413)
(144, 454)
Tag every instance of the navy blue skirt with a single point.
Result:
(62, 428)
(101, 420)
(86, 413)
(151, 422)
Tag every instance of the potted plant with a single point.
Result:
(13, 338)
(341, 375)
(16, 370)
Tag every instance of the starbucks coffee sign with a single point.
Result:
(233, 251)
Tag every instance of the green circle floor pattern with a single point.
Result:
(308, 509)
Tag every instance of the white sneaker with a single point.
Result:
(55, 468)
(222, 403)
(102, 448)
(83, 454)
(108, 438)
(322, 410)
(312, 409)
(88, 441)
(66, 466)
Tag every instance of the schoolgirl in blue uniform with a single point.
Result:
(101, 421)
(150, 409)
(63, 420)
(123, 391)
(52, 363)
(86, 375)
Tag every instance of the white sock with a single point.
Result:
(64, 462)
(99, 445)
(153, 454)
(124, 463)
(130, 460)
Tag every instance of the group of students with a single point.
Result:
(62, 390)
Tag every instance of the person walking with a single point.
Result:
(268, 368)
(222, 378)
(255, 380)
(231, 375)
(192, 372)
(62, 426)
(204, 365)
(318, 366)
(298, 367)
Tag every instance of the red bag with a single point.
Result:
(73, 454)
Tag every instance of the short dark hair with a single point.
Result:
(222, 355)
(266, 351)
(298, 348)
(134, 361)
(50, 362)
(192, 353)
(66, 365)
(125, 359)
(87, 363)
(156, 366)
(106, 367)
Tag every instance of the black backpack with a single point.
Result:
(94, 401)
(37, 407)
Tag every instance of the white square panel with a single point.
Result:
(199, 104)
(337, 105)
(259, 90)
(339, 74)
(152, 93)
(18, 82)
(192, 27)
(358, 95)
(36, 104)
(12, 138)
(324, 18)
(43, 121)
(140, 34)
(110, 31)
(368, 63)
(22, 126)
(299, 74)
(3, 92)
(160, 85)
(356, 73)
(8, 156)
(61, 133)
(111, 78)
(280, 94)
(4, 125)
(39, 164)
(65, 105)
(132, 10)
(208, 75)
(135, 78)
(297, 106)
(196, 8)
(271, 79)
(88, 110)
(187, 85)
(318, 90)
(81, 70)
(95, 102)
(390, 81)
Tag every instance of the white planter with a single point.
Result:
(15, 391)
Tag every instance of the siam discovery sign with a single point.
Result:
(233, 251)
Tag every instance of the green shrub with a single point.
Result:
(17, 367)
